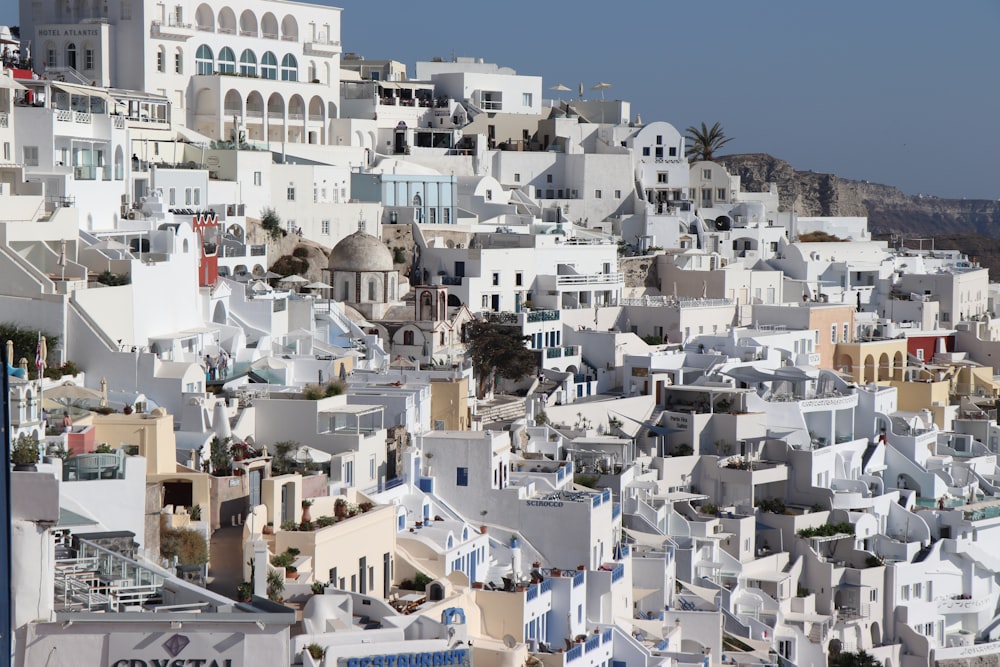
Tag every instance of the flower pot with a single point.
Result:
(306, 513)
(268, 530)
(483, 529)
(26, 467)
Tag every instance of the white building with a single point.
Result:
(258, 69)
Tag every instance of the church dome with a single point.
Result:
(360, 252)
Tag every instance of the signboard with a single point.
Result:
(459, 656)
(163, 649)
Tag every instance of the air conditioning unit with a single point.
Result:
(132, 215)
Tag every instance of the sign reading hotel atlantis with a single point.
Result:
(460, 657)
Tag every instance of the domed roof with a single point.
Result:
(360, 252)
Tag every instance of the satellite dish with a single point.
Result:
(509, 641)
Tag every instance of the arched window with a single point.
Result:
(313, 77)
(269, 66)
(372, 289)
(289, 68)
(227, 61)
(248, 63)
(161, 59)
(71, 55)
(407, 337)
(204, 60)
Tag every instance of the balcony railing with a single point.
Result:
(591, 279)
(542, 316)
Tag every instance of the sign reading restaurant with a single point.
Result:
(460, 656)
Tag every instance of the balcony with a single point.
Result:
(542, 316)
(322, 47)
(590, 279)
(558, 352)
(171, 29)
(964, 604)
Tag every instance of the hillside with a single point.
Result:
(889, 210)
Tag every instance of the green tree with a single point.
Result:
(25, 342)
(859, 659)
(705, 142)
(221, 456)
(497, 349)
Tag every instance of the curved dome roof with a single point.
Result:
(360, 252)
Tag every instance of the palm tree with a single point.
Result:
(705, 142)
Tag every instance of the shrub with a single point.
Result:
(772, 505)
(271, 222)
(289, 525)
(316, 651)
(334, 389)
(104, 448)
(828, 530)
(275, 585)
(195, 513)
(187, 545)
(589, 481)
(56, 372)
(709, 508)
(318, 587)
(420, 581)
(398, 255)
(113, 279)
(325, 521)
(313, 393)
(282, 560)
(25, 452)
(683, 450)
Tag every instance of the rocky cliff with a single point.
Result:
(889, 210)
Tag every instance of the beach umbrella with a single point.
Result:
(293, 279)
(559, 88)
(104, 392)
(602, 86)
(318, 285)
(10, 352)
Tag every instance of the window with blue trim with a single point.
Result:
(462, 477)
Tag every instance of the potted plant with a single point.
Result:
(25, 453)
(340, 508)
(313, 654)
(268, 529)
(306, 513)
(128, 409)
(244, 591)
(483, 528)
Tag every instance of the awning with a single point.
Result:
(10, 83)
(74, 89)
(70, 519)
(769, 575)
(749, 374)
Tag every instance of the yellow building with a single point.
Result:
(450, 403)
(873, 361)
(152, 437)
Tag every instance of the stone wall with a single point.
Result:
(639, 271)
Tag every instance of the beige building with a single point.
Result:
(833, 324)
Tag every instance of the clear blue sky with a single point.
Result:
(902, 92)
